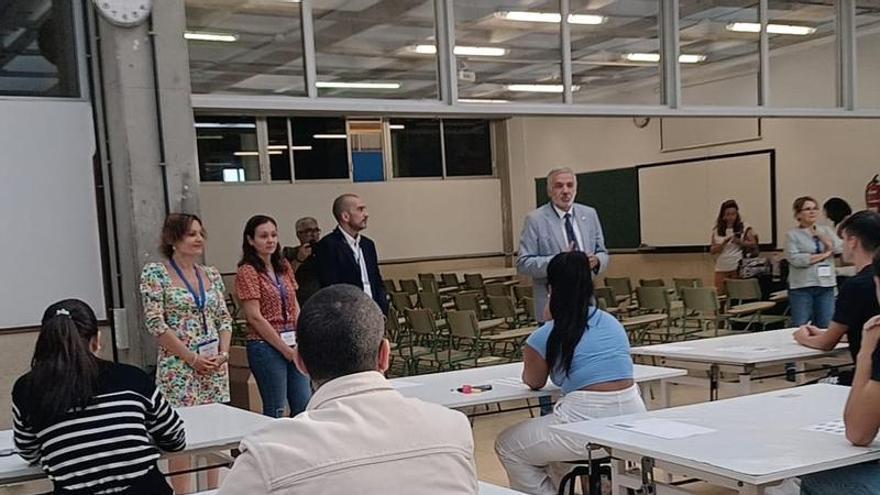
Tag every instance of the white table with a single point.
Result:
(505, 379)
(209, 428)
(485, 489)
(744, 354)
(757, 440)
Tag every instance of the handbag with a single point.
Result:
(753, 265)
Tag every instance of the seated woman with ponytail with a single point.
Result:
(93, 425)
(583, 350)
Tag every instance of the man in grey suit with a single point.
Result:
(560, 225)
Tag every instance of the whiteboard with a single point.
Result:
(50, 246)
(679, 201)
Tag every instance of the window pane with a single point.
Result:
(867, 50)
(227, 149)
(803, 57)
(279, 151)
(376, 49)
(38, 49)
(502, 55)
(320, 148)
(468, 147)
(415, 148)
(367, 150)
(613, 50)
(245, 47)
(719, 52)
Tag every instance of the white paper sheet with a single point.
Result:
(834, 427)
(747, 349)
(404, 384)
(510, 381)
(662, 428)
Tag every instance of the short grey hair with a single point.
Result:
(339, 333)
(341, 204)
(303, 221)
(557, 171)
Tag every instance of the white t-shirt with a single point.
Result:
(728, 260)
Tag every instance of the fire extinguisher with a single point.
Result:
(872, 194)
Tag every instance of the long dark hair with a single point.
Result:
(249, 254)
(721, 225)
(64, 371)
(571, 285)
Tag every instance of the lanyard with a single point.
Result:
(201, 297)
(818, 245)
(282, 291)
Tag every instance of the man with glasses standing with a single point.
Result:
(302, 258)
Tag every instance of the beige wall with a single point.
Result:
(408, 218)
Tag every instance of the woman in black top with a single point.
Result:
(95, 426)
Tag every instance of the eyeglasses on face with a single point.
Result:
(309, 231)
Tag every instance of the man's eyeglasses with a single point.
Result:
(309, 231)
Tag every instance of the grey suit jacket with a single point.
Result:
(542, 238)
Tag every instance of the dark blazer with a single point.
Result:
(337, 265)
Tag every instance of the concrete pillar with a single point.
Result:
(143, 139)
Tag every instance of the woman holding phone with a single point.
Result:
(729, 237)
(810, 250)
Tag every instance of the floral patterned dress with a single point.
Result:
(172, 308)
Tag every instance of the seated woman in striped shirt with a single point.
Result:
(95, 426)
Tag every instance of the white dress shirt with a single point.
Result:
(354, 244)
(577, 231)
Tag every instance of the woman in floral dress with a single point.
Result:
(185, 309)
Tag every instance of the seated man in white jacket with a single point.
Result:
(358, 434)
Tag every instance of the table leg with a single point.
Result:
(714, 376)
(800, 377)
(617, 467)
(664, 393)
(745, 383)
(751, 490)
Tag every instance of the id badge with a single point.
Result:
(209, 348)
(289, 337)
(825, 271)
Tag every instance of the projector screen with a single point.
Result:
(48, 213)
(679, 201)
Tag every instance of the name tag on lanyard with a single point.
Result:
(289, 337)
(209, 348)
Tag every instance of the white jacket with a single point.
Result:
(359, 435)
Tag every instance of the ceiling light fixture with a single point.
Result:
(301, 148)
(277, 147)
(524, 16)
(254, 153)
(356, 85)
(539, 88)
(684, 58)
(204, 36)
(480, 100)
(223, 125)
(473, 51)
(755, 27)
(329, 136)
(396, 127)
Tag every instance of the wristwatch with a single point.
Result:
(225, 356)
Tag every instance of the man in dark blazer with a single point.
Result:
(346, 257)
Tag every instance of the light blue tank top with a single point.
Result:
(601, 356)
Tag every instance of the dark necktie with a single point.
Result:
(569, 233)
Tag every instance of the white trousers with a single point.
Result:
(533, 454)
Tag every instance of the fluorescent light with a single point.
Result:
(480, 100)
(396, 127)
(356, 85)
(277, 146)
(302, 148)
(210, 136)
(539, 88)
(523, 16)
(203, 36)
(329, 136)
(474, 51)
(220, 125)
(684, 58)
(254, 153)
(754, 27)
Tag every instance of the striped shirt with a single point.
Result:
(109, 446)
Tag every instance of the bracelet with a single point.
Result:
(192, 364)
(225, 356)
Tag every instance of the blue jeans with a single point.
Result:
(815, 304)
(861, 479)
(278, 380)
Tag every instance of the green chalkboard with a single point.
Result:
(615, 196)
